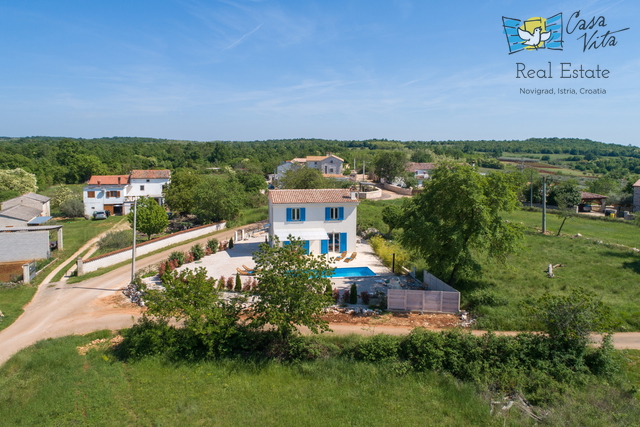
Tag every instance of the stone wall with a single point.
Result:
(396, 189)
(112, 258)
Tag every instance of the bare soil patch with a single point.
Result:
(432, 321)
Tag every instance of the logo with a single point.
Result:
(534, 33)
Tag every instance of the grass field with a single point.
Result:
(52, 384)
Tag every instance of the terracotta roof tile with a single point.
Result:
(151, 174)
(413, 167)
(109, 180)
(311, 196)
(586, 195)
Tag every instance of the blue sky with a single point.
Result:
(247, 70)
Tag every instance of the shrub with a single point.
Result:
(221, 282)
(177, 256)
(345, 297)
(230, 283)
(336, 294)
(197, 252)
(238, 283)
(353, 294)
(72, 208)
(212, 245)
(377, 348)
(115, 240)
(486, 297)
(365, 297)
(385, 251)
(231, 243)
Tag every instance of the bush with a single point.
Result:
(197, 252)
(177, 256)
(238, 283)
(212, 244)
(231, 243)
(365, 297)
(487, 298)
(353, 294)
(72, 208)
(345, 297)
(385, 251)
(115, 240)
(377, 348)
(336, 294)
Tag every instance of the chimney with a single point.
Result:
(354, 195)
(99, 183)
(119, 180)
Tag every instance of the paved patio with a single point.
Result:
(224, 263)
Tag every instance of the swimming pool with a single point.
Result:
(353, 272)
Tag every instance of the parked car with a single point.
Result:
(101, 215)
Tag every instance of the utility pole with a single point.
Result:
(531, 189)
(133, 248)
(544, 205)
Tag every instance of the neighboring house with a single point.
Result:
(327, 165)
(636, 196)
(421, 171)
(110, 192)
(32, 200)
(21, 216)
(324, 219)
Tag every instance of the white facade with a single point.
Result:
(325, 219)
(110, 192)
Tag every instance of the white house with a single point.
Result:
(324, 219)
(110, 192)
(330, 165)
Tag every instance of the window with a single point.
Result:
(113, 194)
(142, 188)
(296, 214)
(91, 194)
(333, 214)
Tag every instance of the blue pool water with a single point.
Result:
(353, 272)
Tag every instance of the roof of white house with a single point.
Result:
(25, 213)
(151, 174)
(413, 167)
(109, 180)
(313, 158)
(329, 195)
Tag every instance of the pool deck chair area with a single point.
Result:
(342, 256)
(351, 258)
(244, 272)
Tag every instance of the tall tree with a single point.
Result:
(151, 218)
(179, 193)
(218, 198)
(458, 215)
(390, 164)
(17, 180)
(291, 288)
(303, 178)
(392, 216)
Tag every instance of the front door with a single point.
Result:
(334, 242)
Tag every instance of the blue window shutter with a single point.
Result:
(343, 242)
(305, 245)
(324, 247)
(286, 243)
(303, 212)
(340, 214)
(288, 214)
(327, 214)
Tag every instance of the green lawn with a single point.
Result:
(12, 301)
(52, 384)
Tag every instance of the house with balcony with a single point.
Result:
(325, 219)
(111, 192)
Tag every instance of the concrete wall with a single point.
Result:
(92, 264)
(24, 245)
(396, 189)
(376, 194)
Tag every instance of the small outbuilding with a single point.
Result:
(587, 198)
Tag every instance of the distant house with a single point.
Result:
(421, 171)
(110, 192)
(329, 165)
(636, 196)
(324, 219)
(33, 200)
(21, 216)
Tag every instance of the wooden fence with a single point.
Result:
(429, 301)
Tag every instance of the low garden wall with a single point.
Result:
(375, 194)
(112, 258)
(398, 190)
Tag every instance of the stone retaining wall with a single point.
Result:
(112, 258)
(396, 189)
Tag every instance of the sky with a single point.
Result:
(335, 69)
